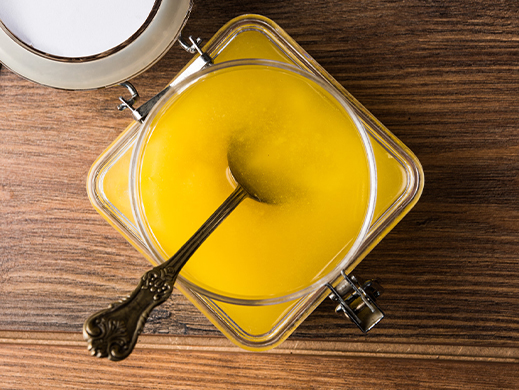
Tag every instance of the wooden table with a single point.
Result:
(442, 76)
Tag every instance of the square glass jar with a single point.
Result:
(399, 185)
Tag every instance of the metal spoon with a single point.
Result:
(113, 332)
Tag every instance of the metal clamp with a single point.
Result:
(357, 301)
(201, 62)
(128, 104)
(194, 46)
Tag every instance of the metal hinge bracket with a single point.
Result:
(357, 301)
(139, 114)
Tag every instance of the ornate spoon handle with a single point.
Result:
(113, 332)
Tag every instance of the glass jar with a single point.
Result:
(395, 183)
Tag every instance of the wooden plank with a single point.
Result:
(58, 367)
(290, 347)
(439, 75)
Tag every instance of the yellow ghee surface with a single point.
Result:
(290, 140)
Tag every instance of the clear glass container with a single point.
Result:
(396, 182)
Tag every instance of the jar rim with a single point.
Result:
(140, 146)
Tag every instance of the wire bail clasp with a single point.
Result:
(357, 301)
(128, 103)
(194, 46)
(203, 60)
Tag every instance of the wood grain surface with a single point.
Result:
(442, 76)
(34, 368)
